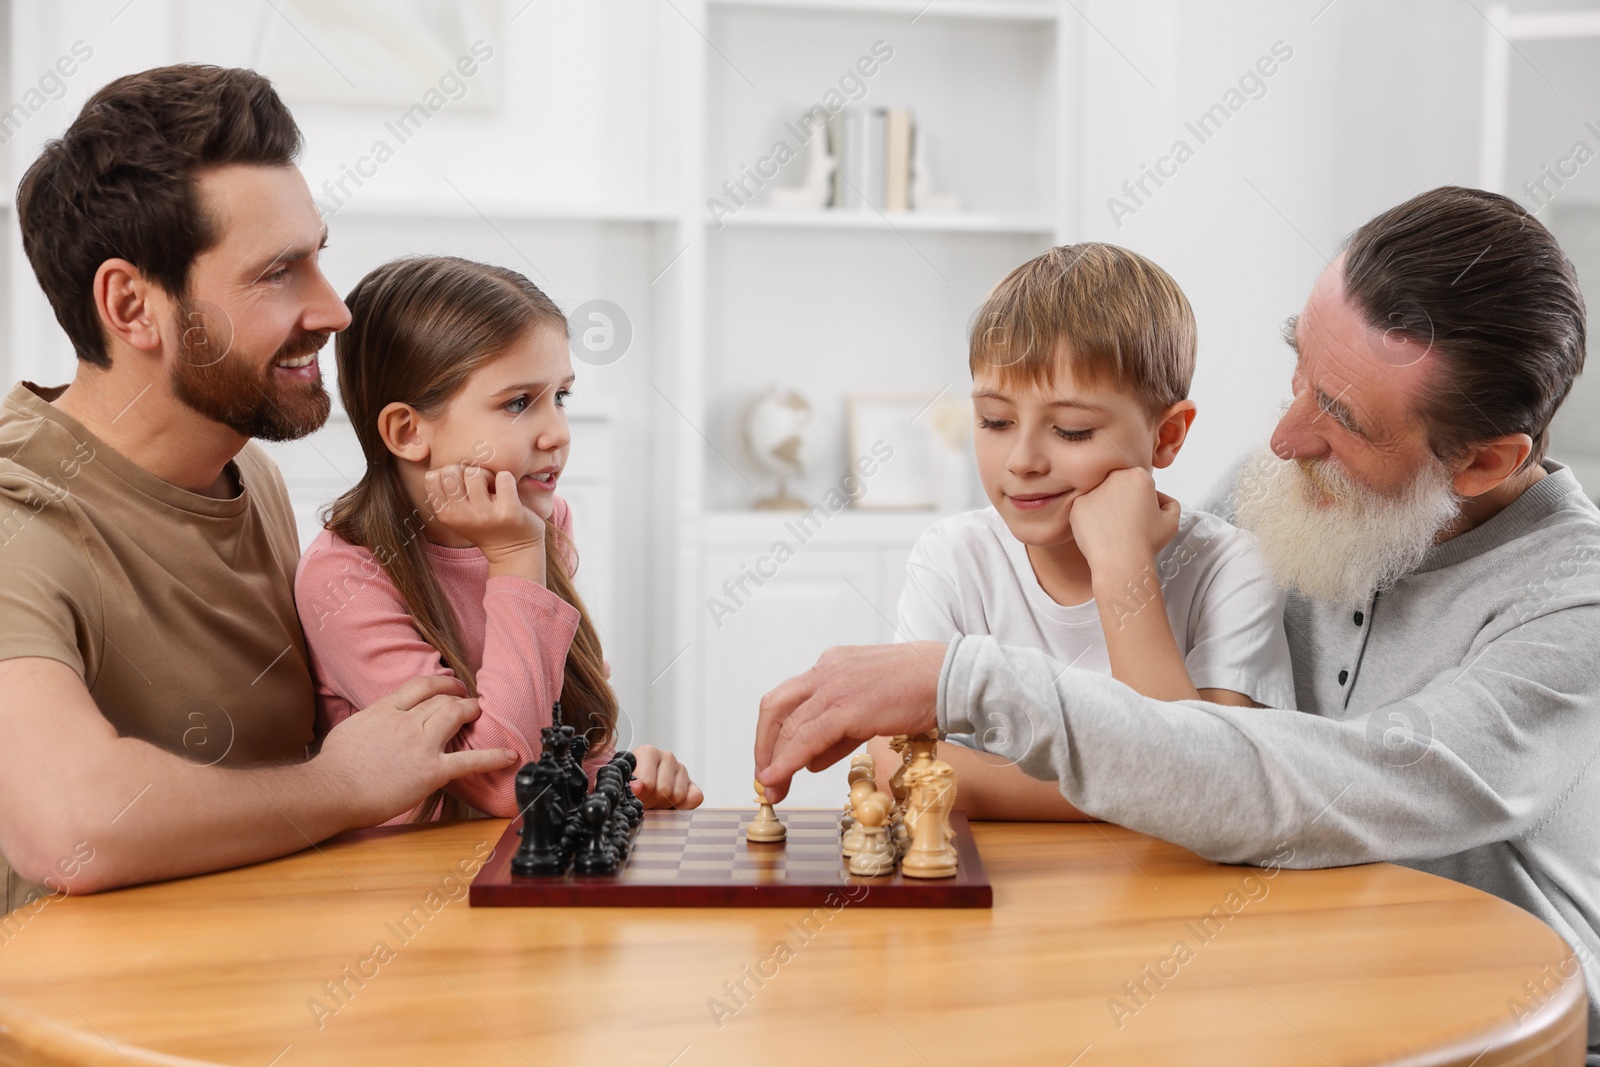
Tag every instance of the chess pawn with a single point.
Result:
(876, 855)
(933, 794)
(597, 856)
(625, 762)
(860, 790)
(766, 826)
(618, 831)
(862, 765)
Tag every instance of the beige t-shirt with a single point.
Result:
(176, 609)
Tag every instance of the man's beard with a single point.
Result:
(228, 386)
(1328, 537)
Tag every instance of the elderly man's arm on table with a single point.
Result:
(1480, 755)
(70, 787)
(1496, 745)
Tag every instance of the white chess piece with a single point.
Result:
(876, 856)
(920, 749)
(860, 790)
(766, 826)
(862, 765)
(932, 784)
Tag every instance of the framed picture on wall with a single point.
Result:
(418, 54)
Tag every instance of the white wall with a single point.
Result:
(1378, 102)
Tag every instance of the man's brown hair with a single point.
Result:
(1479, 280)
(120, 182)
(1111, 314)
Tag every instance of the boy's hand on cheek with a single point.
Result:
(484, 508)
(1122, 523)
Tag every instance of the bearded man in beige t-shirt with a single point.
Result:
(158, 704)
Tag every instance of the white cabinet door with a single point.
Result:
(819, 598)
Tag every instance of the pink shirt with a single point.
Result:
(514, 632)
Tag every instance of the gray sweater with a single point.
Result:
(1451, 725)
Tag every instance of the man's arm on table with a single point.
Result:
(1479, 755)
(69, 783)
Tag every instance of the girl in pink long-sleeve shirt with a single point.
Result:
(453, 554)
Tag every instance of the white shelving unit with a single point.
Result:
(987, 10)
(1503, 30)
(908, 221)
(831, 303)
(1540, 70)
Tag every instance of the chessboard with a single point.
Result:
(701, 859)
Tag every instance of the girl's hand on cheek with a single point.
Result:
(484, 508)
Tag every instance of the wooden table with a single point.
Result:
(1357, 965)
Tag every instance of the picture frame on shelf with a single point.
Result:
(909, 477)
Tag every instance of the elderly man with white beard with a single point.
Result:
(1443, 612)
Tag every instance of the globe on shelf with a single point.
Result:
(774, 436)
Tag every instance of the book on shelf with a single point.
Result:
(873, 150)
(897, 160)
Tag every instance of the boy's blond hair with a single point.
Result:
(1108, 313)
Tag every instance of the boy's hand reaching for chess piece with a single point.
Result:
(484, 508)
(660, 781)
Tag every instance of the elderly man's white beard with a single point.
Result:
(1344, 550)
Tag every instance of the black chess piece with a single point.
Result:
(574, 832)
(560, 745)
(580, 747)
(525, 794)
(608, 781)
(597, 856)
(578, 781)
(625, 762)
(543, 819)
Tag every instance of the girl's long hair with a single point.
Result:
(419, 328)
